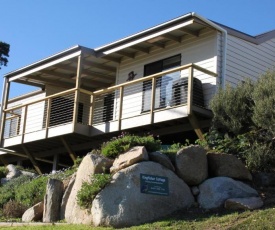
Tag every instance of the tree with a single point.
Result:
(4, 53)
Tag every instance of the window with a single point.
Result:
(163, 84)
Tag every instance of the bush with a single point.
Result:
(233, 108)
(173, 149)
(244, 122)
(7, 191)
(264, 98)
(14, 209)
(261, 157)
(3, 171)
(121, 144)
(32, 192)
(88, 191)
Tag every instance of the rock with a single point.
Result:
(35, 213)
(13, 172)
(215, 191)
(249, 203)
(4, 180)
(191, 164)
(161, 159)
(227, 165)
(264, 179)
(195, 190)
(124, 202)
(29, 174)
(66, 196)
(52, 201)
(90, 165)
(133, 156)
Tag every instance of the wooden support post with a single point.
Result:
(4, 104)
(32, 159)
(92, 106)
(153, 96)
(121, 92)
(24, 123)
(68, 148)
(196, 126)
(10, 152)
(190, 91)
(191, 116)
(55, 163)
(19, 162)
(3, 160)
(48, 115)
(77, 93)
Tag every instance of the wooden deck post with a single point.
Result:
(153, 96)
(92, 107)
(68, 148)
(3, 160)
(77, 86)
(190, 91)
(32, 159)
(55, 163)
(4, 104)
(24, 124)
(121, 93)
(196, 126)
(191, 116)
(48, 115)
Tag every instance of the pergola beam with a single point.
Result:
(85, 72)
(141, 49)
(126, 54)
(113, 59)
(173, 38)
(99, 66)
(190, 32)
(157, 44)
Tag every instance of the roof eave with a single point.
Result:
(73, 50)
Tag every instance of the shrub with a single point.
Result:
(244, 122)
(88, 191)
(173, 149)
(7, 191)
(3, 171)
(32, 192)
(264, 98)
(233, 108)
(261, 157)
(14, 209)
(121, 144)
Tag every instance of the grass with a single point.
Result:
(257, 219)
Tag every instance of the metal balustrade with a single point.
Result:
(159, 91)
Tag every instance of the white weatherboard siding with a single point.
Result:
(202, 50)
(248, 60)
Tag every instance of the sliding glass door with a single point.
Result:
(163, 95)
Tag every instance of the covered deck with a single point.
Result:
(80, 105)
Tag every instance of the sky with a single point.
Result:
(37, 29)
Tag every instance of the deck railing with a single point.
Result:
(159, 91)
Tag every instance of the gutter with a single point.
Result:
(224, 45)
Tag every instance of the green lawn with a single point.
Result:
(258, 219)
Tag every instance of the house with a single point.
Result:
(160, 80)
